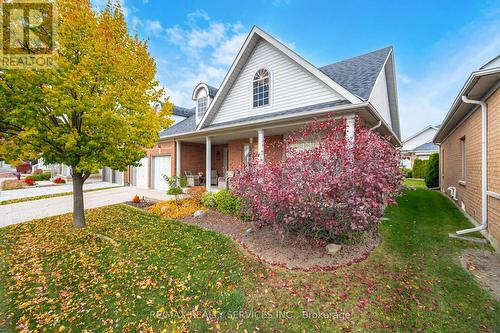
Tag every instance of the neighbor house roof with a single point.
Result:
(358, 74)
(429, 146)
(185, 126)
(183, 112)
(420, 132)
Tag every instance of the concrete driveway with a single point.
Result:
(30, 210)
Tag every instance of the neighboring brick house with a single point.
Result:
(268, 92)
(419, 146)
(469, 140)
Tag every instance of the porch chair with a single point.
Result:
(213, 177)
(224, 182)
(192, 180)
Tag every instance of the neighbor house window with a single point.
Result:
(463, 158)
(202, 106)
(261, 88)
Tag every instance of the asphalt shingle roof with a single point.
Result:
(183, 112)
(185, 126)
(358, 74)
(426, 147)
(212, 91)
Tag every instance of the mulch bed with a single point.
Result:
(143, 204)
(485, 267)
(288, 254)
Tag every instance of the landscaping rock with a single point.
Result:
(333, 248)
(199, 213)
(249, 232)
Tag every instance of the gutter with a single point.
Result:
(484, 167)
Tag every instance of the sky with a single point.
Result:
(437, 44)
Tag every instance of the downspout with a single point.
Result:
(484, 167)
(376, 126)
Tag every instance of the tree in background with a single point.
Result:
(432, 171)
(94, 108)
(419, 167)
(325, 187)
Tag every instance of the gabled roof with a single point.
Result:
(255, 35)
(354, 79)
(358, 74)
(183, 112)
(420, 132)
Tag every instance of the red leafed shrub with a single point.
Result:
(59, 180)
(29, 181)
(325, 186)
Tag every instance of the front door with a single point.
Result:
(225, 158)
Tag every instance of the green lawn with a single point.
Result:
(417, 183)
(53, 276)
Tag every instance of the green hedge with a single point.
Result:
(224, 201)
(40, 176)
(419, 168)
(432, 171)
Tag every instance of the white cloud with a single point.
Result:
(208, 47)
(427, 97)
(135, 23)
(403, 78)
(226, 52)
(153, 26)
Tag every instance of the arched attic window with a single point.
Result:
(261, 88)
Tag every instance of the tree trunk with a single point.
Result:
(78, 210)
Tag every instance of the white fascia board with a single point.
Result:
(467, 86)
(292, 55)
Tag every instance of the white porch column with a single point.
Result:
(350, 130)
(178, 161)
(208, 164)
(260, 145)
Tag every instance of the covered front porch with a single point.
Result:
(211, 160)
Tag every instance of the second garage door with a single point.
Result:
(161, 166)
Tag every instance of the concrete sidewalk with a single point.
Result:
(47, 190)
(30, 210)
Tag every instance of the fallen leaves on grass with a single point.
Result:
(54, 277)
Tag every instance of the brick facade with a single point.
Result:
(469, 193)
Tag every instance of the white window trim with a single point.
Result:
(271, 76)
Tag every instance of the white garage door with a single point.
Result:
(141, 174)
(117, 177)
(107, 174)
(161, 166)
